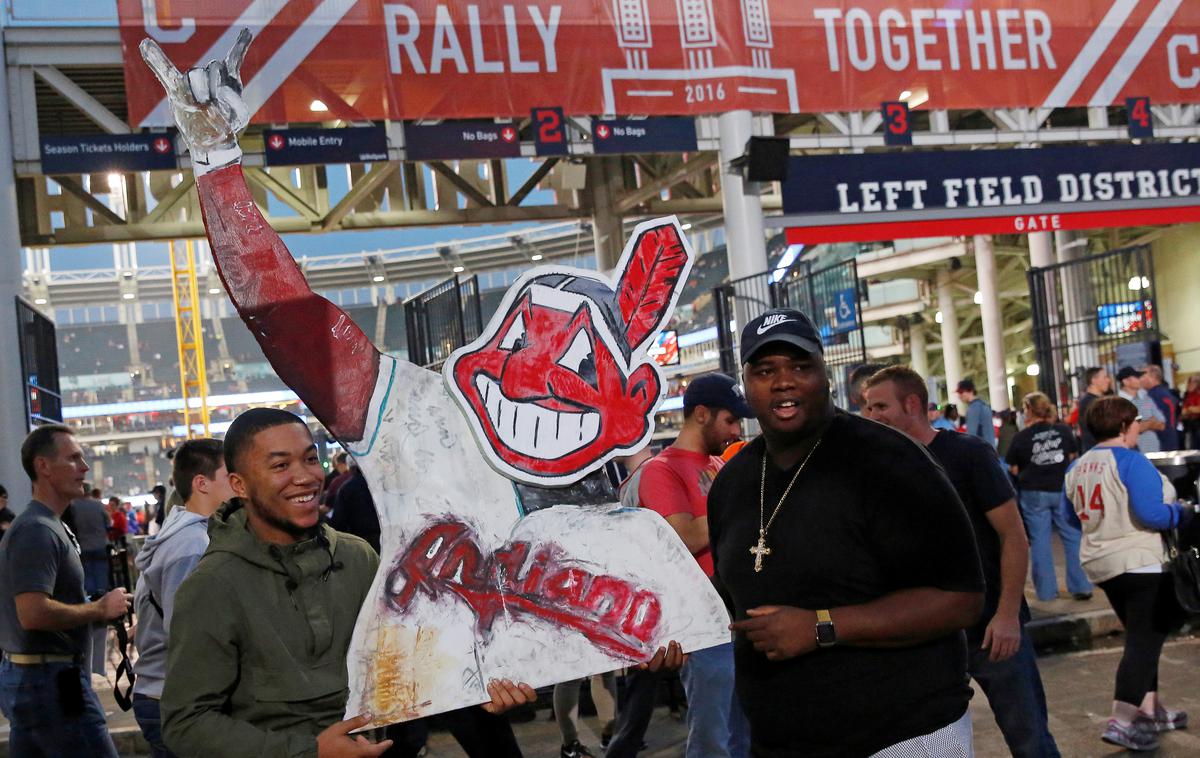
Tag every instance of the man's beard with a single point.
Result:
(285, 526)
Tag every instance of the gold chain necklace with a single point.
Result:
(760, 550)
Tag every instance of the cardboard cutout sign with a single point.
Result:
(476, 584)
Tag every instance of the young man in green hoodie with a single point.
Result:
(165, 561)
(257, 661)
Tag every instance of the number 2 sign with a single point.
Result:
(897, 129)
(1141, 121)
(549, 131)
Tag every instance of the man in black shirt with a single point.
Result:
(1000, 654)
(1097, 383)
(851, 581)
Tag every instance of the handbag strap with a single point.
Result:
(124, 668)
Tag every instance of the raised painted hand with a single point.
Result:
(206, 101)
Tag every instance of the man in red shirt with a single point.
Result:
(675, 483)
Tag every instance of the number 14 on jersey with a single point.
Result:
(1083, 504)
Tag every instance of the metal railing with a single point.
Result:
(1094, 311)
(830, 296)
(441, 319)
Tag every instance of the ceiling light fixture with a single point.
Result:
(317, 106)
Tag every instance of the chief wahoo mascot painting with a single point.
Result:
(504, 554)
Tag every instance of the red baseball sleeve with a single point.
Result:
(314, 346)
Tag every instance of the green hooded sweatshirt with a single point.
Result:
(257, 660)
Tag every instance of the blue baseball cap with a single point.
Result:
(716, 391)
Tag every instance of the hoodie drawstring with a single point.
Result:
(323, 541)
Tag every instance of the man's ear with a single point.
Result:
(201, 483)
(643, 387)
(913, 406)
(237, 484)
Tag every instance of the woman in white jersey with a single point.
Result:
(1122, 503)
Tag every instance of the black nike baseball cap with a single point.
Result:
(780, 325)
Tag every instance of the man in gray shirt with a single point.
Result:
(1152, 420)
(91, 529)
(45, 688)
(979, 413)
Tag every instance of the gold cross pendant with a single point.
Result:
(760, 551)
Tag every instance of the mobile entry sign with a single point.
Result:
(461, 139)
(296, 147)
(895, 195)
(645, 135)
(85, 154)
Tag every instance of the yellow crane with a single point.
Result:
(192, 372)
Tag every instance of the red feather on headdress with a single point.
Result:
(648, 283)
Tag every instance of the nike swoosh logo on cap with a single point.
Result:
(771, 323)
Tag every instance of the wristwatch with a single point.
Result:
(826, 633)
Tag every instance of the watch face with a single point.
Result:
(825, 633)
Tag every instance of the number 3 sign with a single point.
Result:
(897, 129)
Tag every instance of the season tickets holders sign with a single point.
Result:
(462, 139)
(124, 152)
(647, 135)
(294, 147)
(884, 196)
(424, 59)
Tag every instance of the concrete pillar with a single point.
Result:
(745, 235)
(14, 424)
(608, 234)
(993, 322)
(951, 350)
(1041, 255)
(1041, 249)
(1079, 308)
(151, 469)
(131, 335)
(918, 353)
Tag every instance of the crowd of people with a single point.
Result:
(870, 600)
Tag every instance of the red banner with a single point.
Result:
(420, 59)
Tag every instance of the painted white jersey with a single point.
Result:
(489, 594)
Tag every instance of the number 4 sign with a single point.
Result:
(1141, 122)
(897, 129)
(549, 131)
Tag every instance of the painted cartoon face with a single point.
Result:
(551, 391)
(547, 389)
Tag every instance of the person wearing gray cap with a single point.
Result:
(852, 579)
(675, 484)
(1150, 418)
